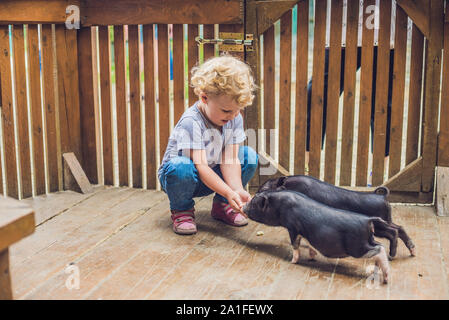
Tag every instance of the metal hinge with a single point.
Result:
(230, 41)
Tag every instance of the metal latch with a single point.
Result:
(230, 41)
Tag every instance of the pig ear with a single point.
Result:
(281, 181)
(264, 203)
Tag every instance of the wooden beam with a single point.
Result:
(34, 11)
(119, 12)
(432, 94)
(265, 162)
(7, 115)
(408, 179)
(74, 177)
(252, 58)
(410, 197)
(399, 196)
(268, 12)
(87, 104)
(443, 135)
(442, 192)
(418, 11)
(68, 90)
(16, 221)
(5, 276)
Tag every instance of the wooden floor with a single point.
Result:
(120, 242)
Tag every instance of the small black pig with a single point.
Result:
(371, 204)
(335, 233)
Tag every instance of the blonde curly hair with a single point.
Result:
(224, 75)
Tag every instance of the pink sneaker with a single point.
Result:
(184, 221)
(224, 212)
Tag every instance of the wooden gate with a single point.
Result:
(363, 81)
(111, 91)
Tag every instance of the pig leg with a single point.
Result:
(295, 241)
(381, 261)
(384, 230)
(312, 253)
(405, 238)
(380, 257)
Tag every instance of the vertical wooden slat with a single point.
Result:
(36, 109)
(106, 113)
(1, 151)
(192, 58)
(432, 94)
(87, 104)
(163, 75)
(208, 33)
(285, 89)
(302, 52)
(1, 166)
(317, 88)
(68, 90)
(333, 92)
(22, 110)
(178, 71)
(150, 109)
(414, 100)
(9, 143)
(134, 87)
(96, 100)
(268, 87)
(443, 138)
(237, 28)
(366, 91)
(122, 149)
(397, 102)
(50, 107)
(380, 113)
(349, 92)
(426, 44)
(252, 58)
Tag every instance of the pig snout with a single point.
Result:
(245, 208)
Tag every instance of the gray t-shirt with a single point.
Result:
(194, 131)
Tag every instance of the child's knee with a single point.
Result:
(181, 169)
(248, 157)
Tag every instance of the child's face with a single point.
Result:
(220, 109)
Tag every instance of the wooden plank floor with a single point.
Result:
(121, 243)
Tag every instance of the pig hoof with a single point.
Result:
(390, 258)
(312, 257)
(411, 247)
(312, 254)
(295, 258)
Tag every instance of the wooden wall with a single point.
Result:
(110, 93)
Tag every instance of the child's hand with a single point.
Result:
(244, 195)
(235, 201)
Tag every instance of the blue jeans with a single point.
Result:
(180, 180)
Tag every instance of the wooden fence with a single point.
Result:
(368, 60)
(111, 91)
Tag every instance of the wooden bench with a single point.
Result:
(16, 222)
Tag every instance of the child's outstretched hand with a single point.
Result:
(244, 196)
(235, 201)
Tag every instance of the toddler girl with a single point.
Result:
(204, 154)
